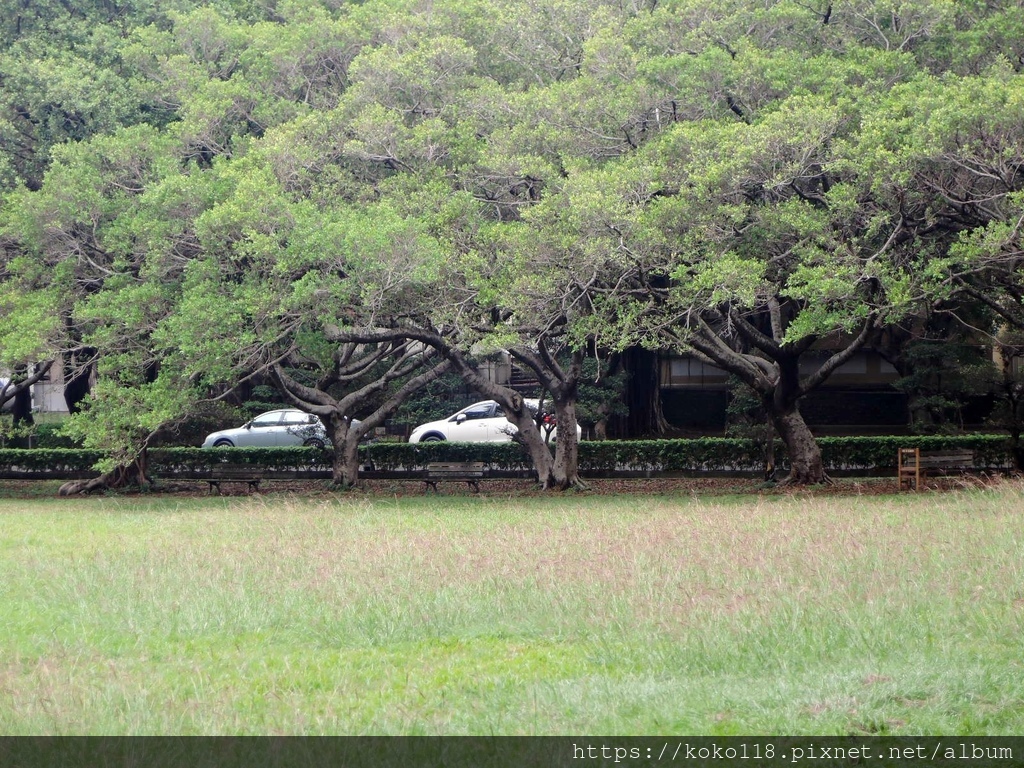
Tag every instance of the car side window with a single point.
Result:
(267, 421)
(477, 413)
(498, 411)
(295, 418)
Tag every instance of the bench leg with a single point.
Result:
(431, 485)
(214, 484)
(474, 485)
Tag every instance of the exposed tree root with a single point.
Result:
(133, 474)
(793, 480)
(575, 484)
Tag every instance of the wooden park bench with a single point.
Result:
(244, 473)
(469, 471)
(913, 464)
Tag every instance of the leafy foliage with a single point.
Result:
(942, 377)
(437, 400)
(191, 191)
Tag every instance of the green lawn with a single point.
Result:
(464, 615)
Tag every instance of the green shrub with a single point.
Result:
(393, 456)
(991, 451)
(711, 454)
(206, 418)
(48, 435)
(199, 460)
(39, 435)
(437, 400)
(49, 460)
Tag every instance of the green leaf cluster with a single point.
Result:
(194, 190)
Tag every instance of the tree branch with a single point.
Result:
(827, 368)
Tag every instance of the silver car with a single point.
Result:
(273, 428)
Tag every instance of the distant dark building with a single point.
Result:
(858, 398)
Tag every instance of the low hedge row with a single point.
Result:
(711, 454)
(596, 458)
(990, 451)
(57, 461)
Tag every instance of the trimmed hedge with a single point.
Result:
(79, 462)
(390, 457)
(710, 454)
(170, 461)
(55, 461)
(991, 451)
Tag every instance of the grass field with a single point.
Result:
(465, 615)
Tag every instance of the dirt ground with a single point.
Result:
(503, 488)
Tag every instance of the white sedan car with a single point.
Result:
(270, 429)
(482, 422)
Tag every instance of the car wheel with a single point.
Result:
(315, 442)
(223, 444)
(433, 437)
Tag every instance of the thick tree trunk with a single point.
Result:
(806, 467)
(76, 384)
(561, 380)
(345, 459)
(133, 474)
(769, 452)
(565, 467)
(21, 411)
(345, 469)
(539, 450)
(21, 407)
(643, 395)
